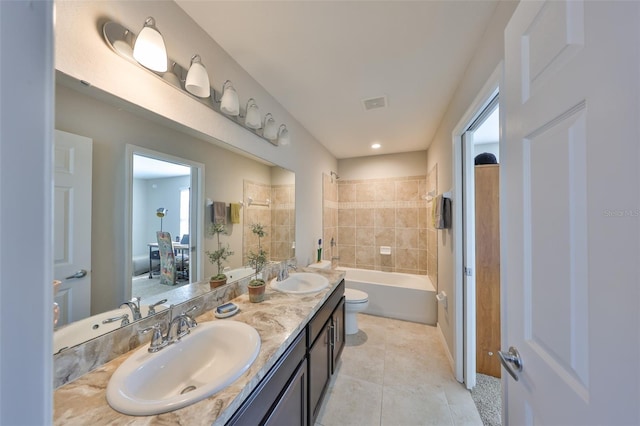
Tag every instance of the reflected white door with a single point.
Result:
(570, 212)
(72, 224)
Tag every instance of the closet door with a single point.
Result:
(487, 187)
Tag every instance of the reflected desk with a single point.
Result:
(176, 247)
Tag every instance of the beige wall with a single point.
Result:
(383, 166)
(489, 53)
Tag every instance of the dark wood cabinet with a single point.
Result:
(291, 407)
(339, 334)
(292, 392)
(326, 344)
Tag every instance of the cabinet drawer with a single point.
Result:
(318, 321)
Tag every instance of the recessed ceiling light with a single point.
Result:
(376, 146)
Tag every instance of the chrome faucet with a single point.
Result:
(123, 317)
(134, 305)
(283, 274)
(177, 328)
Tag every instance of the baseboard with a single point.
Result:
(446, 347)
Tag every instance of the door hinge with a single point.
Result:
(468, 272)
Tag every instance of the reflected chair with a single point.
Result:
(167, 258)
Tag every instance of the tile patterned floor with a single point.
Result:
(395, 373)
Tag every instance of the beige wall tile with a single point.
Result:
(407, 258)
(407, 218)
(365, 236)
(347, 254)
(346, 217)
(407, 238)
(365, 256)
(385, 191)
(347, 235)
(385, 237)
(385, 218)
(407, 190)
(346, 193)
(365, 192)
(364, 217)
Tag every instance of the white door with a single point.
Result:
(72, 225)
(469, 244)
(570, 217)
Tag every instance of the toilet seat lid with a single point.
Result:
(355, 296)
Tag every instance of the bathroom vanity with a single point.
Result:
(302, 337)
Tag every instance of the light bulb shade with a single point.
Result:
(283, 136)
(197, 82)
(149, 49)
(229, 103)
(269, 129)
(252, 119)
(161, 212)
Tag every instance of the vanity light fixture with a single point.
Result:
(149, 48)
(269, 129)
(171, 76)
(283, 135)
(193, 81)
(253, 119)
(197, 82)
(229, 103)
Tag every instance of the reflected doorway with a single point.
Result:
(164, 197)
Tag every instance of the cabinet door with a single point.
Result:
(319, 370)
(338, 334)
(291, 408)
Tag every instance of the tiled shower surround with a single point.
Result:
(278, 219)
(362, 215)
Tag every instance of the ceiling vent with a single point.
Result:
(374, 103)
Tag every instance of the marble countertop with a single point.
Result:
(278, 320)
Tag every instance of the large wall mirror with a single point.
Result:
(149, 174)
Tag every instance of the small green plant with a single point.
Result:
(217, 257)
(258, 259)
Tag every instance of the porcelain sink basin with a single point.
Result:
(202, 363)
(301, 283)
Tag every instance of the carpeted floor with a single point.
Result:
(488, 398)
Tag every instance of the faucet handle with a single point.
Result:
(157, 340)
(123, 317)
(191, 322)
(152, 308)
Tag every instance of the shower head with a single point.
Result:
(334, 175)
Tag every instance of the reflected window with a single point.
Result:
(184, 211)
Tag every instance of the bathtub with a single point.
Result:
(395, 295)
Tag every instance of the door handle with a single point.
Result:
(511, 362)
(79, 274)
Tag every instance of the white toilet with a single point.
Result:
(355, 301)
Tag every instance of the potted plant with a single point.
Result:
(217, 257)
(257, 260)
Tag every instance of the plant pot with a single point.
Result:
(256, 292)
(217, 283)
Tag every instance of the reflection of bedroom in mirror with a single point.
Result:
(161, 223)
